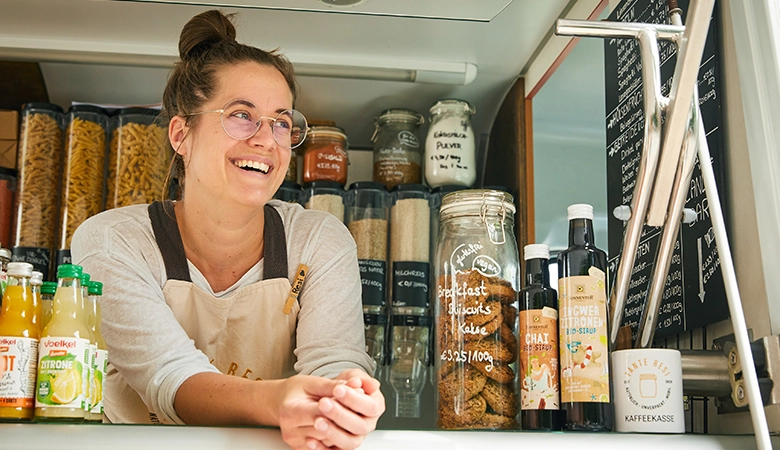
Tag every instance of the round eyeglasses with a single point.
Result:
(241, 120)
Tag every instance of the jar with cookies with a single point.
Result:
(477, 269)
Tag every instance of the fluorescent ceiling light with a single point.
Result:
(330, 66)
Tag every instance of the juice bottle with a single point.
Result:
(85, 312)
(19, 335)
(64, 354)
(48, 288)
(101, 355)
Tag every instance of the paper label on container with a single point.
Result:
(18, 361)
(583, 338)
(539, 359)
(63, 373)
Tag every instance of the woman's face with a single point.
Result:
(224, 170)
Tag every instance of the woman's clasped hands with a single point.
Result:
(317, 413)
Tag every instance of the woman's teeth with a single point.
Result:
(252, 165)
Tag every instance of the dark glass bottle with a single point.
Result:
(584, 359)
(540, 399)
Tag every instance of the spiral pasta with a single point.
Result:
(138, 163)
(39, 169)
(82, 182)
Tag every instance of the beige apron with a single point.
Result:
(245, 334)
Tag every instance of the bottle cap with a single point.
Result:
(95, 288)
(69, 271)
(536, 251)
(36, 279)
(580, 211)
(20, 269)
(85, 279)
(49, 287)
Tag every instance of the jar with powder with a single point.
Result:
(450, 153)
(325, 196)
(325, 155)
(367, 209)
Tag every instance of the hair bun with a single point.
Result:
(204, 31)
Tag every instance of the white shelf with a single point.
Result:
(151, 437)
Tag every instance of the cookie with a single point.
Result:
(463, 382)
(502, 291)
(510, 316)
(453, 416)
(489, 420)
(509, 338)
(501, 398)
(498, 350)
(475, 332)
(498, 371)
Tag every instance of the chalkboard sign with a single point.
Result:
(694, 295)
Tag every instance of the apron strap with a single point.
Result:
(166, 233)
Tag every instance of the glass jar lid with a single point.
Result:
(477, 202)
(331, 132)
(87, 108)
(400, 115)
(453, 106)
(367, 185)
(41, 105)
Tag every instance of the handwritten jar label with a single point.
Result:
(410, 283)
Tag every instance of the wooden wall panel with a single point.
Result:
(509, 160)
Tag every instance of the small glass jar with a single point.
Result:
(289, 192)
(83, 169)
(38, 163)
(477, 270)
(7, 191)
(367, 209)
(325, 155)
(138, 158)
(325, 196)
(450, 149)
(397, 152)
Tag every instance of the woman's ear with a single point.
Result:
(177, 131)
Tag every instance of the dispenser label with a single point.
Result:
(410, 284)
(372, 278)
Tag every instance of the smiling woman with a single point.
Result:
(200, 317)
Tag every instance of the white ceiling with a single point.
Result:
(145, 35)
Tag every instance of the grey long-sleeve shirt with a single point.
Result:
(147, 345)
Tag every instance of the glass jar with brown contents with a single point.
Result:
(397, 155)
(325, 155)
(477, 271)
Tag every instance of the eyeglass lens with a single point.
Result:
(241, 120)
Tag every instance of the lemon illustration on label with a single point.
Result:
(98, 380)
(66, 387)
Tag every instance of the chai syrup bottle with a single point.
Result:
(539, 381)
(584, 359)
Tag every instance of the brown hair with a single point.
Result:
(208, 43)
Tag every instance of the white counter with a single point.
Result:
(152, 437)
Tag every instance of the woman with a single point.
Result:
(200, 319)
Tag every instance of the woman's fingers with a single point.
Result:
(337, 436)
(368, 405)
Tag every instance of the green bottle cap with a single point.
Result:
(48, 287)
(85, 279)
(95, 288)
(69, 271)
